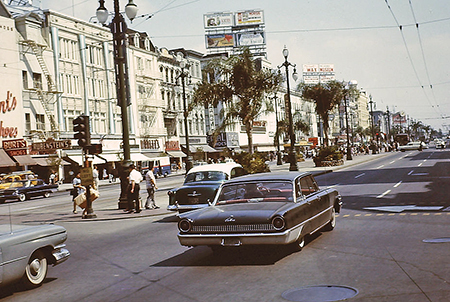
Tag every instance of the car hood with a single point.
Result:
(244, 213)
(47, 229)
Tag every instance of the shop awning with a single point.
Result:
(24, 160)
(5, 160)
(110, 157)
(79, 159)
(45, 162)
(176, 153)
(265, 148)
(204, 148)
(138, 157)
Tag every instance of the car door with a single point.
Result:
(317, 201)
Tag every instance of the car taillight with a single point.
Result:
(278, 223)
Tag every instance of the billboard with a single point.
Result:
(318, 73)
(217, 20)
(220, 40)
(251, 17)
(249, 39)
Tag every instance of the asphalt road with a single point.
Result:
(381, 254)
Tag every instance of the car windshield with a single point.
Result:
(261, 191)
(15, 184)
(206, 176)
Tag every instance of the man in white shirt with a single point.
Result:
(151, 187)
(134, 178)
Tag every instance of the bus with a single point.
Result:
(161, 166)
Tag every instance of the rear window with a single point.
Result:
(206, 176)
(263, 191)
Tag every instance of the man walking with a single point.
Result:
(134, 178)
(151, 187)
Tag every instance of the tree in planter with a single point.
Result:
(240, 87)
(326, 96)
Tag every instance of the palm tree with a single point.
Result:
(240, 87)
(326, 96)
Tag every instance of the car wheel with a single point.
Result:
(36, 270)
(47, 194)
(332, 223)
(22, 197)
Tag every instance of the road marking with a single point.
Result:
(358, 176)
(419, 165)
(384, 194)
(411, 172)
(400, 209)
(397, 184)
(379, 167)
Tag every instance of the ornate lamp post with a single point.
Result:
(292, 156)
(346, 99)
(279, 161)
(185, 73)
(118, 29)
(371, 117)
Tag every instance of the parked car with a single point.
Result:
(26, 251)
(25, 189)
(201, 184)
(262, 209)
(16, 176)
(413, 146)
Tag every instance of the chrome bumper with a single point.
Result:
(184, 208)
(285, 237)
(60, 254)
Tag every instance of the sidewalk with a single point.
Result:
(108, 210)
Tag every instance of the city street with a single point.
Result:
(391, 243)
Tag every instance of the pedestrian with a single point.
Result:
(95, 177)
(134, 179)
(151, 187)
(105, 174)
(76, 190)
(51, 179)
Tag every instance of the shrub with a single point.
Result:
(255, 163)
(331, 153)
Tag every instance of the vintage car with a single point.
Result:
(16, 176)
(440, 144)
(25, 189)
(201, 184)
(262, 209)
(26, 251)
(413, 146)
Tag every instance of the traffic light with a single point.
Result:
(95, 149)
(82, 131)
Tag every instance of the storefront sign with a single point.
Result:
(172, 146)
(51, 145)
(9, 104)
(15, 147)
(152, 144)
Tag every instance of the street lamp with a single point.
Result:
(292, 156)
(185, 73)
(279, 161)
(371, 117)
(349, 147)
(118, 29)
(388, 118)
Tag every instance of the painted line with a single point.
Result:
(392, 161)
(397, 184)
(379, 167)
(360, 175)
(411, 172)
(419, 165)
(384, 194)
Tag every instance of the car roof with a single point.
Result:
(223, 167)
(277, 176)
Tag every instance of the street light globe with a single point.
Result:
(131, 10)
(285, 52)
(102, 14)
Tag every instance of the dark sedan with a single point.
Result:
(262, 209)
(201, 184)
(25, 189)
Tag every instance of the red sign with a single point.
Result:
(15, 147)
(172, 146)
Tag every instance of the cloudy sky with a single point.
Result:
(404, 69)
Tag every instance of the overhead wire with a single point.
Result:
(409, 55)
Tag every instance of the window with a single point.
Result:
(308, 185)
(40, 122)
(25, 79)
(27, 122)
(37, 80)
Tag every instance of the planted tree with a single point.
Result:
(240, 87)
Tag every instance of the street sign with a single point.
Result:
(86, 176)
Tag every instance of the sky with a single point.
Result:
(397, 50)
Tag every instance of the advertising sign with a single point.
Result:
(318, 73)
(219, 40)
(252, 17)
(217, 20)
(15, 147)
(249, 39)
